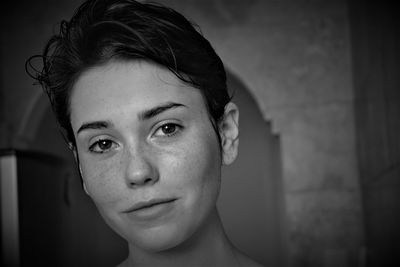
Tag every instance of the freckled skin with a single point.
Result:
(185, 166)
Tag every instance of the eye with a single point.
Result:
(168, 129)
(102, 145)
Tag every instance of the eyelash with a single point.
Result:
(177, 129)
(96, 145)
(92, 148)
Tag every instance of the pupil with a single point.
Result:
(168, 129)
(104, 144)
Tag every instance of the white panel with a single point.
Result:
(9, 210)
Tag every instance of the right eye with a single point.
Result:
(102, 145)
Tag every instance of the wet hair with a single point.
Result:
(105, 30)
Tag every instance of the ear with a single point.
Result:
(229, 132)
(75, 152)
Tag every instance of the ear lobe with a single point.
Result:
(229, 132)
(84, 188)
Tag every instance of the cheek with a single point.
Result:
(197, 171)
(100, 180)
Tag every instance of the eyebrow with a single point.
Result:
(148, 114)
(94, 125)
(144, 115)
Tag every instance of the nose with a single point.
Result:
(140, 170)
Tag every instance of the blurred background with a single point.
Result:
(317, 182)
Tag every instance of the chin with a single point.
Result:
(160, 239)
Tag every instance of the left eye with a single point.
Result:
(167, 129)
(102, 146)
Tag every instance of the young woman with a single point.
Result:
(143, 101)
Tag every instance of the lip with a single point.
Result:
(154, 210)
(148, 204)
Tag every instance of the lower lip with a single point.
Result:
(154, 212)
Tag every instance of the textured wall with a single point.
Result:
(294, 58)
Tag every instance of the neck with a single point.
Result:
(209, 246)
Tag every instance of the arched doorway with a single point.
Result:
(251, 200)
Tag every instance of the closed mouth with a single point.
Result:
(149, 204)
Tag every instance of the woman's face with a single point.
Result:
(148, 153)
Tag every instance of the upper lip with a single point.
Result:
(148, 203)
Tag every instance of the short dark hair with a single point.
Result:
(104, 30)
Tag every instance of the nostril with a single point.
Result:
(141, 182)
(147, 180)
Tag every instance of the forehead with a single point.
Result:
(138, 79)
(109, 89)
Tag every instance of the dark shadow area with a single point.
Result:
(375, 36)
